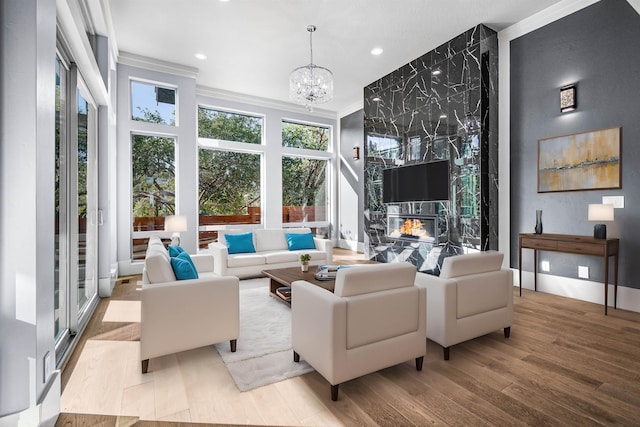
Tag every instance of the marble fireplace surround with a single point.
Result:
(442, 105)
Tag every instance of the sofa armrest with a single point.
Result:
(441, 307)
(326, 246)
(318, 327)
(203, 262)
(185, 314)
(220, 257)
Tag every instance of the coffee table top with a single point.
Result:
(287, 276)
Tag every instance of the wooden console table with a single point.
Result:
(568, 243)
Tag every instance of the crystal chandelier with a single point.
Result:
(310, 85)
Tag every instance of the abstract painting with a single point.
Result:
(583, 161)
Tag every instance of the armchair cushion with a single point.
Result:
(158, 266)
(174, 250)
(473, 263)
(183, 267)
(373, 278)
(298, 241)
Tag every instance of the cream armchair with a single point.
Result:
(179, 315)
(375, 318)
(473, 296)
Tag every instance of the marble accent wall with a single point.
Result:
(442, 105)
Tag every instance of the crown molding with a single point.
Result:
(635, 4)
(140, 61)
(350, 109)
(544, 17)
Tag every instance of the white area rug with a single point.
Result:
(263, 355)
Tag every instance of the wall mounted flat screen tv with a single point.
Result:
(423, 182)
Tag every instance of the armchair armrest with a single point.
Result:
(325, 245)
(441, 307)
(220, 258)
(177, 316)
(203, 262)
(318, 331)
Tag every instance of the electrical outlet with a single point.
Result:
(583, 272)
(616, 201)
(544, 266)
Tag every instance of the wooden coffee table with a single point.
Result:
(286, 276)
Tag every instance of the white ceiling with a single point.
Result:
(252, 45)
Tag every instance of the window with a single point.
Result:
(304, 190)
(304, 176)
(153, 192)
(227, 126)
(296, 135)
(153, 104)
(229, 190)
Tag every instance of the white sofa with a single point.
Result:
(271, 252)
(374, 319)
(179, 315)
(473, 296)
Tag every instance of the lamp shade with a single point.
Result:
(598, 212)
(175, 223)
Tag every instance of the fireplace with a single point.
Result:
(414, 228)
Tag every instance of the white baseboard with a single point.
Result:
(106, 284)
(45, 413)
(351, 245)
(584, 290)
(128, 268)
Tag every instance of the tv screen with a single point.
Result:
(423, 182)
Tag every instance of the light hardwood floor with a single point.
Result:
(564, 364)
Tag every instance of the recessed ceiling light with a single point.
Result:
(376, 51)
(224, 1)
(436, 72)
(443, 116)
(200, 56)
(376, 99)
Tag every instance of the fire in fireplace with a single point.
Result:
(417, 228)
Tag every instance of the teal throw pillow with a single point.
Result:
(174, 250)
(183, 267)
(240, 243)
(297, 241)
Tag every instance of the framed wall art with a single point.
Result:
(582, 161)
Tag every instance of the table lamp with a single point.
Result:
(175, 224)
(598, 212)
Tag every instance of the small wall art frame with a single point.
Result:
(582, 161)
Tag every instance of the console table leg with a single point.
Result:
(615, 281)
(520, 267)
(535, 270)
(606, 283)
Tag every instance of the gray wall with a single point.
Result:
(351, 226)
(597, 48)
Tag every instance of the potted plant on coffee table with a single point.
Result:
(304, 261)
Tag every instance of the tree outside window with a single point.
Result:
(304, 185)
(153, 160)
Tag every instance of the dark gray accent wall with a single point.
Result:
(352, 135)
(441, 106)
(598, 49)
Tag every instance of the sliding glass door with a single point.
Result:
(76, 195)
(84, 241)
